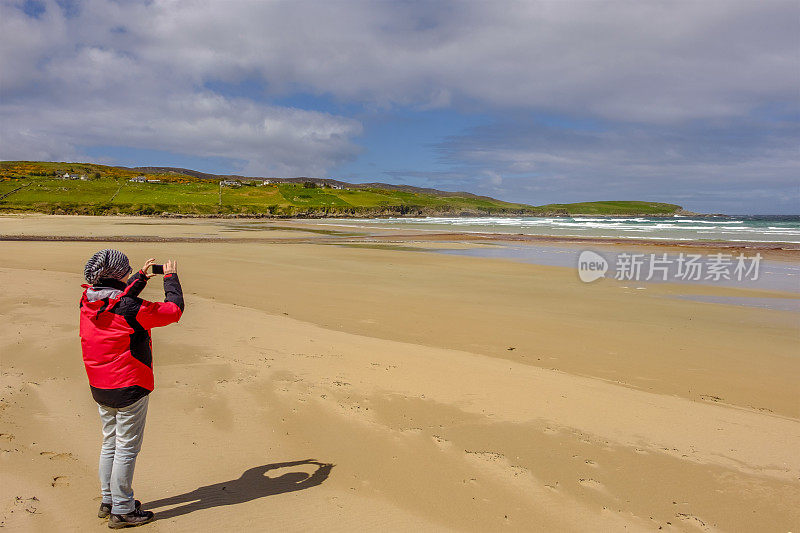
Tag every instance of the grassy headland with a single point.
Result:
(103, 190)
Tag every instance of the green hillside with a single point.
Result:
(614, 208)
(100, 190)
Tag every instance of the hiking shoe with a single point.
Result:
(105, 508)
(132, 519)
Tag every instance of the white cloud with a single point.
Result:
(650, 61)
(133, 73)
(73, 87)
(737, 166)
(272, 140)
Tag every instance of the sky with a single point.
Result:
(689, 102)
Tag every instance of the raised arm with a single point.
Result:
(172, 289)
(157, 314)
(140, 278)
(139, 282)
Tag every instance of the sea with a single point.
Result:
(749, 228)
(755, 273)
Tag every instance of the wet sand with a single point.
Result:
(25, 227)
(447, 392)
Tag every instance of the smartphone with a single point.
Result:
(158, 269)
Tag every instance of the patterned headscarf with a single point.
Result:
(107, 264)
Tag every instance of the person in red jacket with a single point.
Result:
(115, 329)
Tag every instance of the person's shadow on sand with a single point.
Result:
(253, 484)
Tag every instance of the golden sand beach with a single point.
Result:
(433, 392)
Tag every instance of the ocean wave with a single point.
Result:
(623, 227)
(696, 221)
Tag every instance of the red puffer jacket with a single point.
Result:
(115, 329)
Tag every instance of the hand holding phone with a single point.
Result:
(147, 265)
(158, 269)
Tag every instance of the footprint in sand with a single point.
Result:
(55, 455)
(692, 520)
(590, 463)
(492, 457)
(29, 504)
(60, 481)
(520, 471)
(591, 483)
(441, 442)
(499, 465)
(711, 398)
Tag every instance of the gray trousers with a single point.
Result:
(123, 430)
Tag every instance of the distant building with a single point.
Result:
(266, 182)
(68, 176)
(230, 183)
(153, 181)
